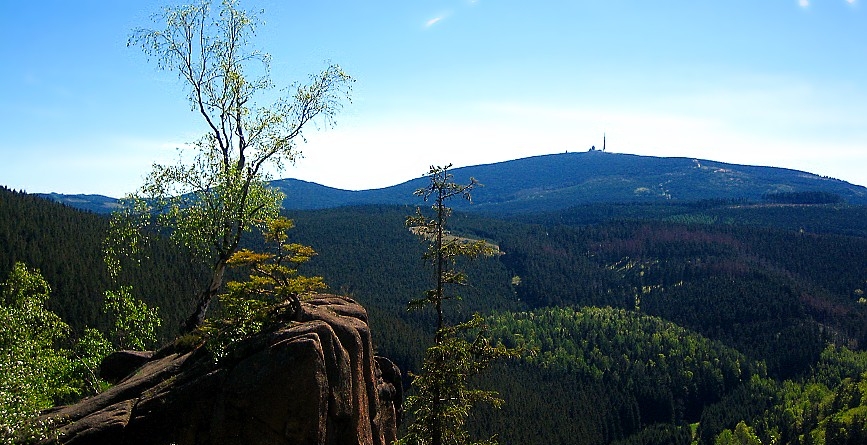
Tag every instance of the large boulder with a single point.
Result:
(117, 365)
(312, 381)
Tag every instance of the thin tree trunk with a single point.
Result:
(198, 316)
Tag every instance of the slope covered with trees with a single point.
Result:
(66, 246)
(759, 290)
(624, 371)
(739, 287)
(558, 181)
(774, 297)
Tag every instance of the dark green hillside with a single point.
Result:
(833, 219)
(839, 219)
(650, 372)
(368, 253)
(762, 291)
(91, 203)
(65, 244)
(309, 195)
(551, 182)
(564, 180)
(828, 407)
(642, 313)
(777, 296)
(559, 181)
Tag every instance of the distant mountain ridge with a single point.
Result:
(91, 203)
(557, 181)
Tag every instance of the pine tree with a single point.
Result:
(443, 396)
(274, 286)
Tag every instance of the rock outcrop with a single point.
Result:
(314, 381)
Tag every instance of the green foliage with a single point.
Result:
(443, 250)
(751, 280)
(211, 198)
(669, 372)
(742, 435)
(829, 407)
(67, 247)
(37, 370)
(806, 197)
(744, 287)
(135, 324)
(443, 394)
(247, 306)
(825, 219)
(274, 275)
(124, 241)
(660, 434)
(766, 292)
(88, 352)
(31, 369)
(443, 398)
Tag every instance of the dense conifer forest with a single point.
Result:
(704, 322)
(754, 292)
(66, 246)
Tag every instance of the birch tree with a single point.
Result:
(219, 191)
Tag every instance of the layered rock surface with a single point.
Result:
(314, 381)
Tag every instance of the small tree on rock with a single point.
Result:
(273, 282)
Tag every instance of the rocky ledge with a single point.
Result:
(312, 381)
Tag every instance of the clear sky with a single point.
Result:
(762, 82)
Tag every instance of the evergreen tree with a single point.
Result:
(273, 287)
(443, 395)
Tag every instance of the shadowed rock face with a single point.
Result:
(310, 382)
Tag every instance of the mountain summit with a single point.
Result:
(557, 181)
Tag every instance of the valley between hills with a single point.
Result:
(666, 300)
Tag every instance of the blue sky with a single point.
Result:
(770, 82)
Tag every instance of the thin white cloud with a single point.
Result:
(438, 18)
(433, 21)
(804, 3)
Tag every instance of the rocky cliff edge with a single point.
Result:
(314, 381)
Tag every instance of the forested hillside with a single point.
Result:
(66, 244)
(557, 181)
(624, 371)
(560, 181)
(735, 292)
(650, 323)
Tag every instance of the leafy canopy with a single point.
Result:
(217, 191)
(38, 369)
(135, 324)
